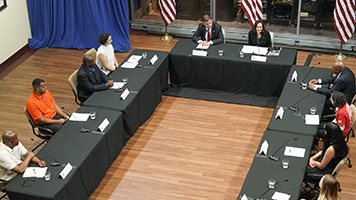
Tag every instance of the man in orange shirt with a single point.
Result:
(43, 109)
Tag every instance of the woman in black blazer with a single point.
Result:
(259, 36)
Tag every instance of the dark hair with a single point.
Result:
(263, 32)
(103, 38)
(37, 82)
(206, 18)
(338, 98)
(335, 138)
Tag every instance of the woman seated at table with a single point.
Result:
(106, 59)
(334, 150)
(329, 188)
(259, 36)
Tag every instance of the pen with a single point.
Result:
(34, 171)
(240, 48)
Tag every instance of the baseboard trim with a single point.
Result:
(15, 60)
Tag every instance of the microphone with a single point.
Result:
(276, 158)
(54, 162)
(293, 106)
(310, 71)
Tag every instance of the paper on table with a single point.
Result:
(280, 196)
(117, 85)
(311, 119)
(79, 117)
(244, 197)
(200, 46)
(103, 124)
(264, 148)
(199, 53)
(294, 151)
(280, 113)
(254, 49)
(37, 172)
(259, 58)
(317, 85)
(294, 77)
(134, 59)
(129, 65)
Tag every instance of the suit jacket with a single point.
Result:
(216, 34)
(345, 84)
(265, 40)
(90, 82)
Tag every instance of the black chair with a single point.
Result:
(3, 183)
(43, 133)
(308, 182)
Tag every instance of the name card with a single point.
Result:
(153, 59)
(63, 174)
(258, 58)
(199, 53)
(103, 125)
(125, 94)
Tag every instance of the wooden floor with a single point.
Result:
(188, 149)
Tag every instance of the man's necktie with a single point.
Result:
(208, 35)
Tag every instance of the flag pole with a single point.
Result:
(166, 37)
(340, 56)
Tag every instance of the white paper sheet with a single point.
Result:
(280, 196)
(311, 119)
(125, 94)
(37, 172)
(134, 59)
(202, 47)
(254, 49)
(129, 65)
(295, 77)
(264, 148)
(79, 117)
(117, 85)
(104, 124)
(280, 113)
(294, 151)
(244, 197)
(154, 59)
(63, 174)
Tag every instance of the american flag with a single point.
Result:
(168, 10)
(344, 19)
(253, 10)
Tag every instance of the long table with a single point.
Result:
(230, 72)
(91, 154)
(294, 96)
(263, 168)
(145, 85)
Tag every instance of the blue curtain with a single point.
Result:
(77, 24)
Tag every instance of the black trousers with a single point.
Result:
(53, 127)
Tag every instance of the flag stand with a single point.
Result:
(166, 37)
(340, 56)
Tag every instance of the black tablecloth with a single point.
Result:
(291, 94)
(145, 85)
(91, 154)
(229, 73)
(262, 169)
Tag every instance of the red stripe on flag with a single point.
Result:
(168, 10)
(252, 9)
(344, 19)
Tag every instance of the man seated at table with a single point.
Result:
(90, 79)
(11, 151)
(43, 109)
(208, 32)
(344, 81)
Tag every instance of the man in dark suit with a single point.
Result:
(90, 79)
(344, 82)
(208, 32)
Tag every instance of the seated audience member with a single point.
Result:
(329, 188)
(334, 150)
(259, 36)
(208, 32)
(43, 109)
(344, 81)
(106, 60)
(90, 79)
(11, 151)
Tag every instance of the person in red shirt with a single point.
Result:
(43, 109)
(343, 116)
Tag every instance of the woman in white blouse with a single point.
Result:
(106, 59)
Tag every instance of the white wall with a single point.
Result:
(14, 28)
